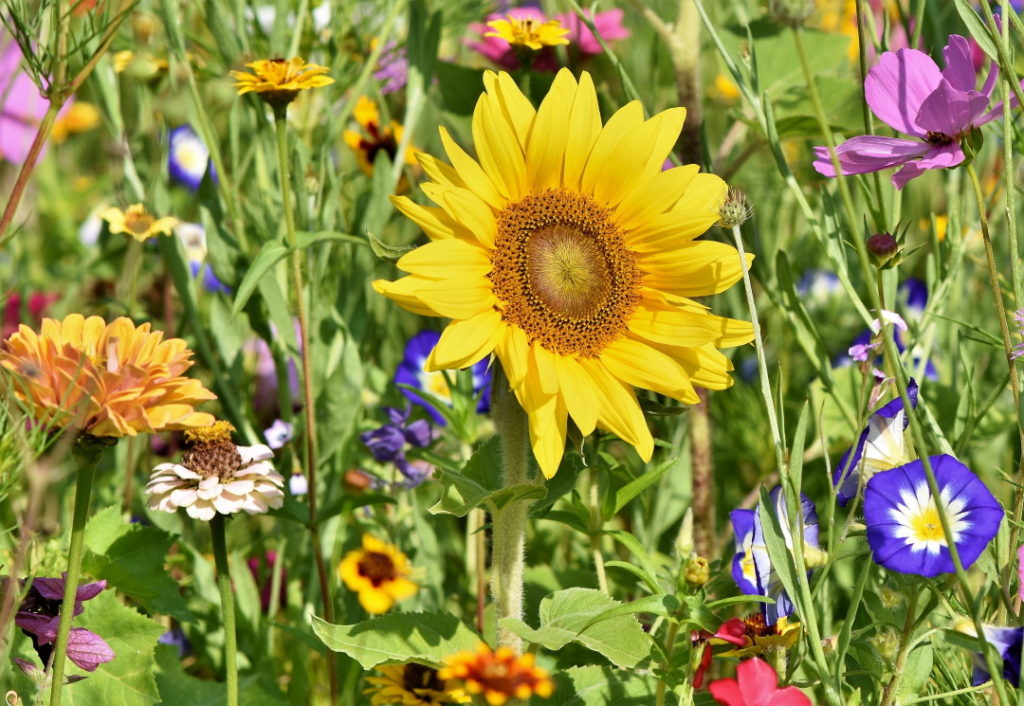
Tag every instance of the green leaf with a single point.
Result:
(426, 638)
(594, 686)
(385, 251)
(648, 571)
(481, 484)
(177, 687)
(127, 680)
(131, 558)
(305, 239)
(269, 255)
(916, 672)
(979, 32)
(639, 484)
(591, 618)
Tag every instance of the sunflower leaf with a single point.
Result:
(480, 484)
(425, 638)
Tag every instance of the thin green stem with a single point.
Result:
(88, 456)
(670, 642)
(281, 125)
(901, 657)
(227, 606)
(509, 522)
(596, 524)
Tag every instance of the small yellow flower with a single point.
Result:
(143, 65)
(137, 222)
(762, 638)
(278, 81)
(375, 137)
(725, 89)
(413, 685)
(378, 573)
(528, 32)
(499, 676)
(81, 116)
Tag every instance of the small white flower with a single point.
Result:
(298, 485)
(278, 434)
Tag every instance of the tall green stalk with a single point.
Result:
(227, 606)
(87, 452)
(284, 170)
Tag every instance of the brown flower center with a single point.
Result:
(937, 138)
(418, 676)
(563, 273)
(377, 567)
(210, 451)
(757, 627)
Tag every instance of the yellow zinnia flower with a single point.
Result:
(375, 137)
(413, 685)
(528, 32)
(137, 222)
(569, 253)
(499, 676)
(104, 379)
(378, 573)
(278, 81)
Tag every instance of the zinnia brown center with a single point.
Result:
(377, 567)
(419, 676)
(563, 273)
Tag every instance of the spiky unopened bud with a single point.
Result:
(884, 249)
(696, 572)
(790, 12)
(735, 210)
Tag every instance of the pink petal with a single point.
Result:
(937, 158)
(868, 153)
(87, 649)
(950, 111)
(727, 691)
(790, 696)
(897, 85)
(959, 69)
(758, 681)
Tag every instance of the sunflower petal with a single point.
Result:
(577, 391)
(470, 172)
(641, 365)
(694, 269)
(585, 118)
(546, 146)
(619, 411)
(463, 343)
(625, 120)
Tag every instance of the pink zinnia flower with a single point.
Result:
(608, 24)
(908, 92)
(756, 684)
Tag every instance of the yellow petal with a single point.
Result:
(694, 269)
(458, 259)
(437, 224)
(667, 138)
(455, 299)
(544, 368)
(626, 120)
(654, 196)
(463, 343)
(619, 410)
(404, 293)
(498, 149)
(438, 171)
(670, 325)
(547, 141)
(516, 107)
(514, 353)
(640, 365)
(621, 174)
(585, 119)
(470, 172)
(547, 422)
(577, 390)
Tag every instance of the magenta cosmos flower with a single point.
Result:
(908, 92)
(581, 39)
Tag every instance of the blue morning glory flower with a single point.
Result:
(412, 371)
(880, 446)
(1008, 641)
(188, 158)
(904, 530)
(751, 567)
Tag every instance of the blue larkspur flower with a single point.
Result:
(914, 293)
(904, 531)
(818, 285)
(412, 371)
(1008, 641)
(752, 568)
(880, 446)
(188, 158)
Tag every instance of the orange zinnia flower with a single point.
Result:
(499, 675)
(104, 379)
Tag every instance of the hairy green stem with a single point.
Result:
(670, 641)
(595, 533)
(901, 657)
(281, 125)
(87, 453)
(227, 606)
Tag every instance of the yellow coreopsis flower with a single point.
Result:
(566, 251)
(137, 222)
(528, 32)
(278, 81)
(378, 572)
(413, 685)
(498, 676)
(375, 137)
(80, 117)
(103, 379)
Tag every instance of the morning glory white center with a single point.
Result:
(918, 519)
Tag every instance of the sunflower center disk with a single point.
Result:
(563, 273)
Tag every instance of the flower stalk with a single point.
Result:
(87, 452)
(281, 126)
(227, 605)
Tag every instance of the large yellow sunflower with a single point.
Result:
(566, 250)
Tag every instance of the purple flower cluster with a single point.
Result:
(38, 617)
(387, 444)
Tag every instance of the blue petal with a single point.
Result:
(742, 527)
(916, 293)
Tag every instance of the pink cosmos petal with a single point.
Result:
(950, 111)
(868, 153)
(898, 84)
(941, 157)
(609, 27)
(87, 649)
(959, 69)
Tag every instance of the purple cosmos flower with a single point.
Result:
(412, 371)
(38, 617)
(880, 446)
(902, 518)
(1008, 640)
(908, 92)
(188, 158)
(866, 346)
(392, 68)
(751, 567)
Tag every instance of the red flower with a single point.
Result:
(732, 631)
(756, 684)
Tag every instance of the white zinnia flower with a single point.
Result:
(217, 476)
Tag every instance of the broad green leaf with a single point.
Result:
(916, 672)
(480, 484)
(131, 558)
(426, 638)
(127, 680)
(269, 255)
(594, 686)
(177, 687)
(591, 618)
